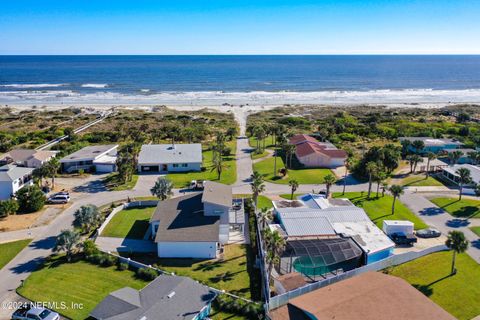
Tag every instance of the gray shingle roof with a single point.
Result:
(11, 173)
(217, 193)
(90, 153)
(166, 153)
(182, 219)
(166, 297)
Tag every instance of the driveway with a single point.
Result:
(442, 220)
(125, 245)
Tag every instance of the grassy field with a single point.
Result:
(268, 142)
(476, 230)
(9, 250)
(419, 180)
(379, 209)
(129, 223)
(465, 208)
(230, 274)
(457, 294)
(229, 174)
(303, 176)
(77, 282)
(259, 155)
(113, 184)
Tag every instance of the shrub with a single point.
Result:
(108, 260)
(30, 199)
(8, 207)
(146, 274)
(96, 258)
(90, 248)
(122, 266)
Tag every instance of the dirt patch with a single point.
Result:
(31, 220)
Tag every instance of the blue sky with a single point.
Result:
(239, 27)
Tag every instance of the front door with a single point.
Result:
(164, 167)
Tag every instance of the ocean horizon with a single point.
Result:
(239, 79)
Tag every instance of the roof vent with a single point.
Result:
(171, 294)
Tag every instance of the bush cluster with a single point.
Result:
(146, 274)
(237, 306)
(102, 259)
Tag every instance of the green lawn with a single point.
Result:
(457, 294)
(264, 202)
(303, 176)
(259, 155)
(476, 230)
(77, 282)
(229, 174)
(268, 142)
(379, 209)
(230, 274)
(9, 250)
(113, 184)
(288, 196)
(465, 208)
(129, 223)
(420, 181)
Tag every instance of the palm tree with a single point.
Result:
(430, 157)
(371, 169)
(464, 177)
(384, 188)
(418, 145)
(329, 180)
(258, 186)
(454, 156)
(51, 169)
(396, 191)
(293, 185)
(379, 179)
(274, 245)
(456, 241)
(348, 166)
(162, 188)
(264, 216)
(289, 151)
(68, 241)
(405, 146)
(416, 160)
(218, 165)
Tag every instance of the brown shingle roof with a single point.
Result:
(372, 295)
(217, 193)
(182, 219)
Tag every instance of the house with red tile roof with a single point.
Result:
(315, 154)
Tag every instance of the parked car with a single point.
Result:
(34, 313)
(402, 239)
(59, 198)
(428, 233)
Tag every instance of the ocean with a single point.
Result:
(209, 80)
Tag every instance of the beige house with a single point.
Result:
(315, 154)
(29, 158)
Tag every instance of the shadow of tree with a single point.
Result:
(431, 211)
(457, 223)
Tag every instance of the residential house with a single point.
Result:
(464, 155)
(196, 225)
(315, 154)
(166, 297)
(434, 145)
(98, 158)
(371, 295)
(170, 158)
(27, 157)
(12, 179)
(450, 173)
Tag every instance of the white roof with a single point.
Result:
(366, 234)
(474, 171)
(106, 159)
(90, 153)
(428, 141)
(11, 173)
(168, 153)
(318, 201)
(397, 223)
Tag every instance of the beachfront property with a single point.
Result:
(29, 158)
(450, 173)
(324, 236)
(197, 225)
(315, 154)
(98, 158)
(435, 145)
(166, 297)
(371, 295)
(170, 158)
(12, 179)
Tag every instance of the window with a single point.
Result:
(175, 165)
(184, 165)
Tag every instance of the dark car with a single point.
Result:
(428, 233)
(402, 239)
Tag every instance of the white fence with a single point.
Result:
(126, 205)
(394, 260)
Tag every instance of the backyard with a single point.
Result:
(379, 209)
(10, 249)
(129, 223)
(76, 283)
(457, 294)
(303, 176)
(465, 208)
(229, 174)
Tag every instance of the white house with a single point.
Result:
(27, 157)
(101, 158)
(195, 225)
(12, 179)
(170, 158)
(315, 154)
(450, 172)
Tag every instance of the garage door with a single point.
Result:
(150, 168)
(104, 168)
